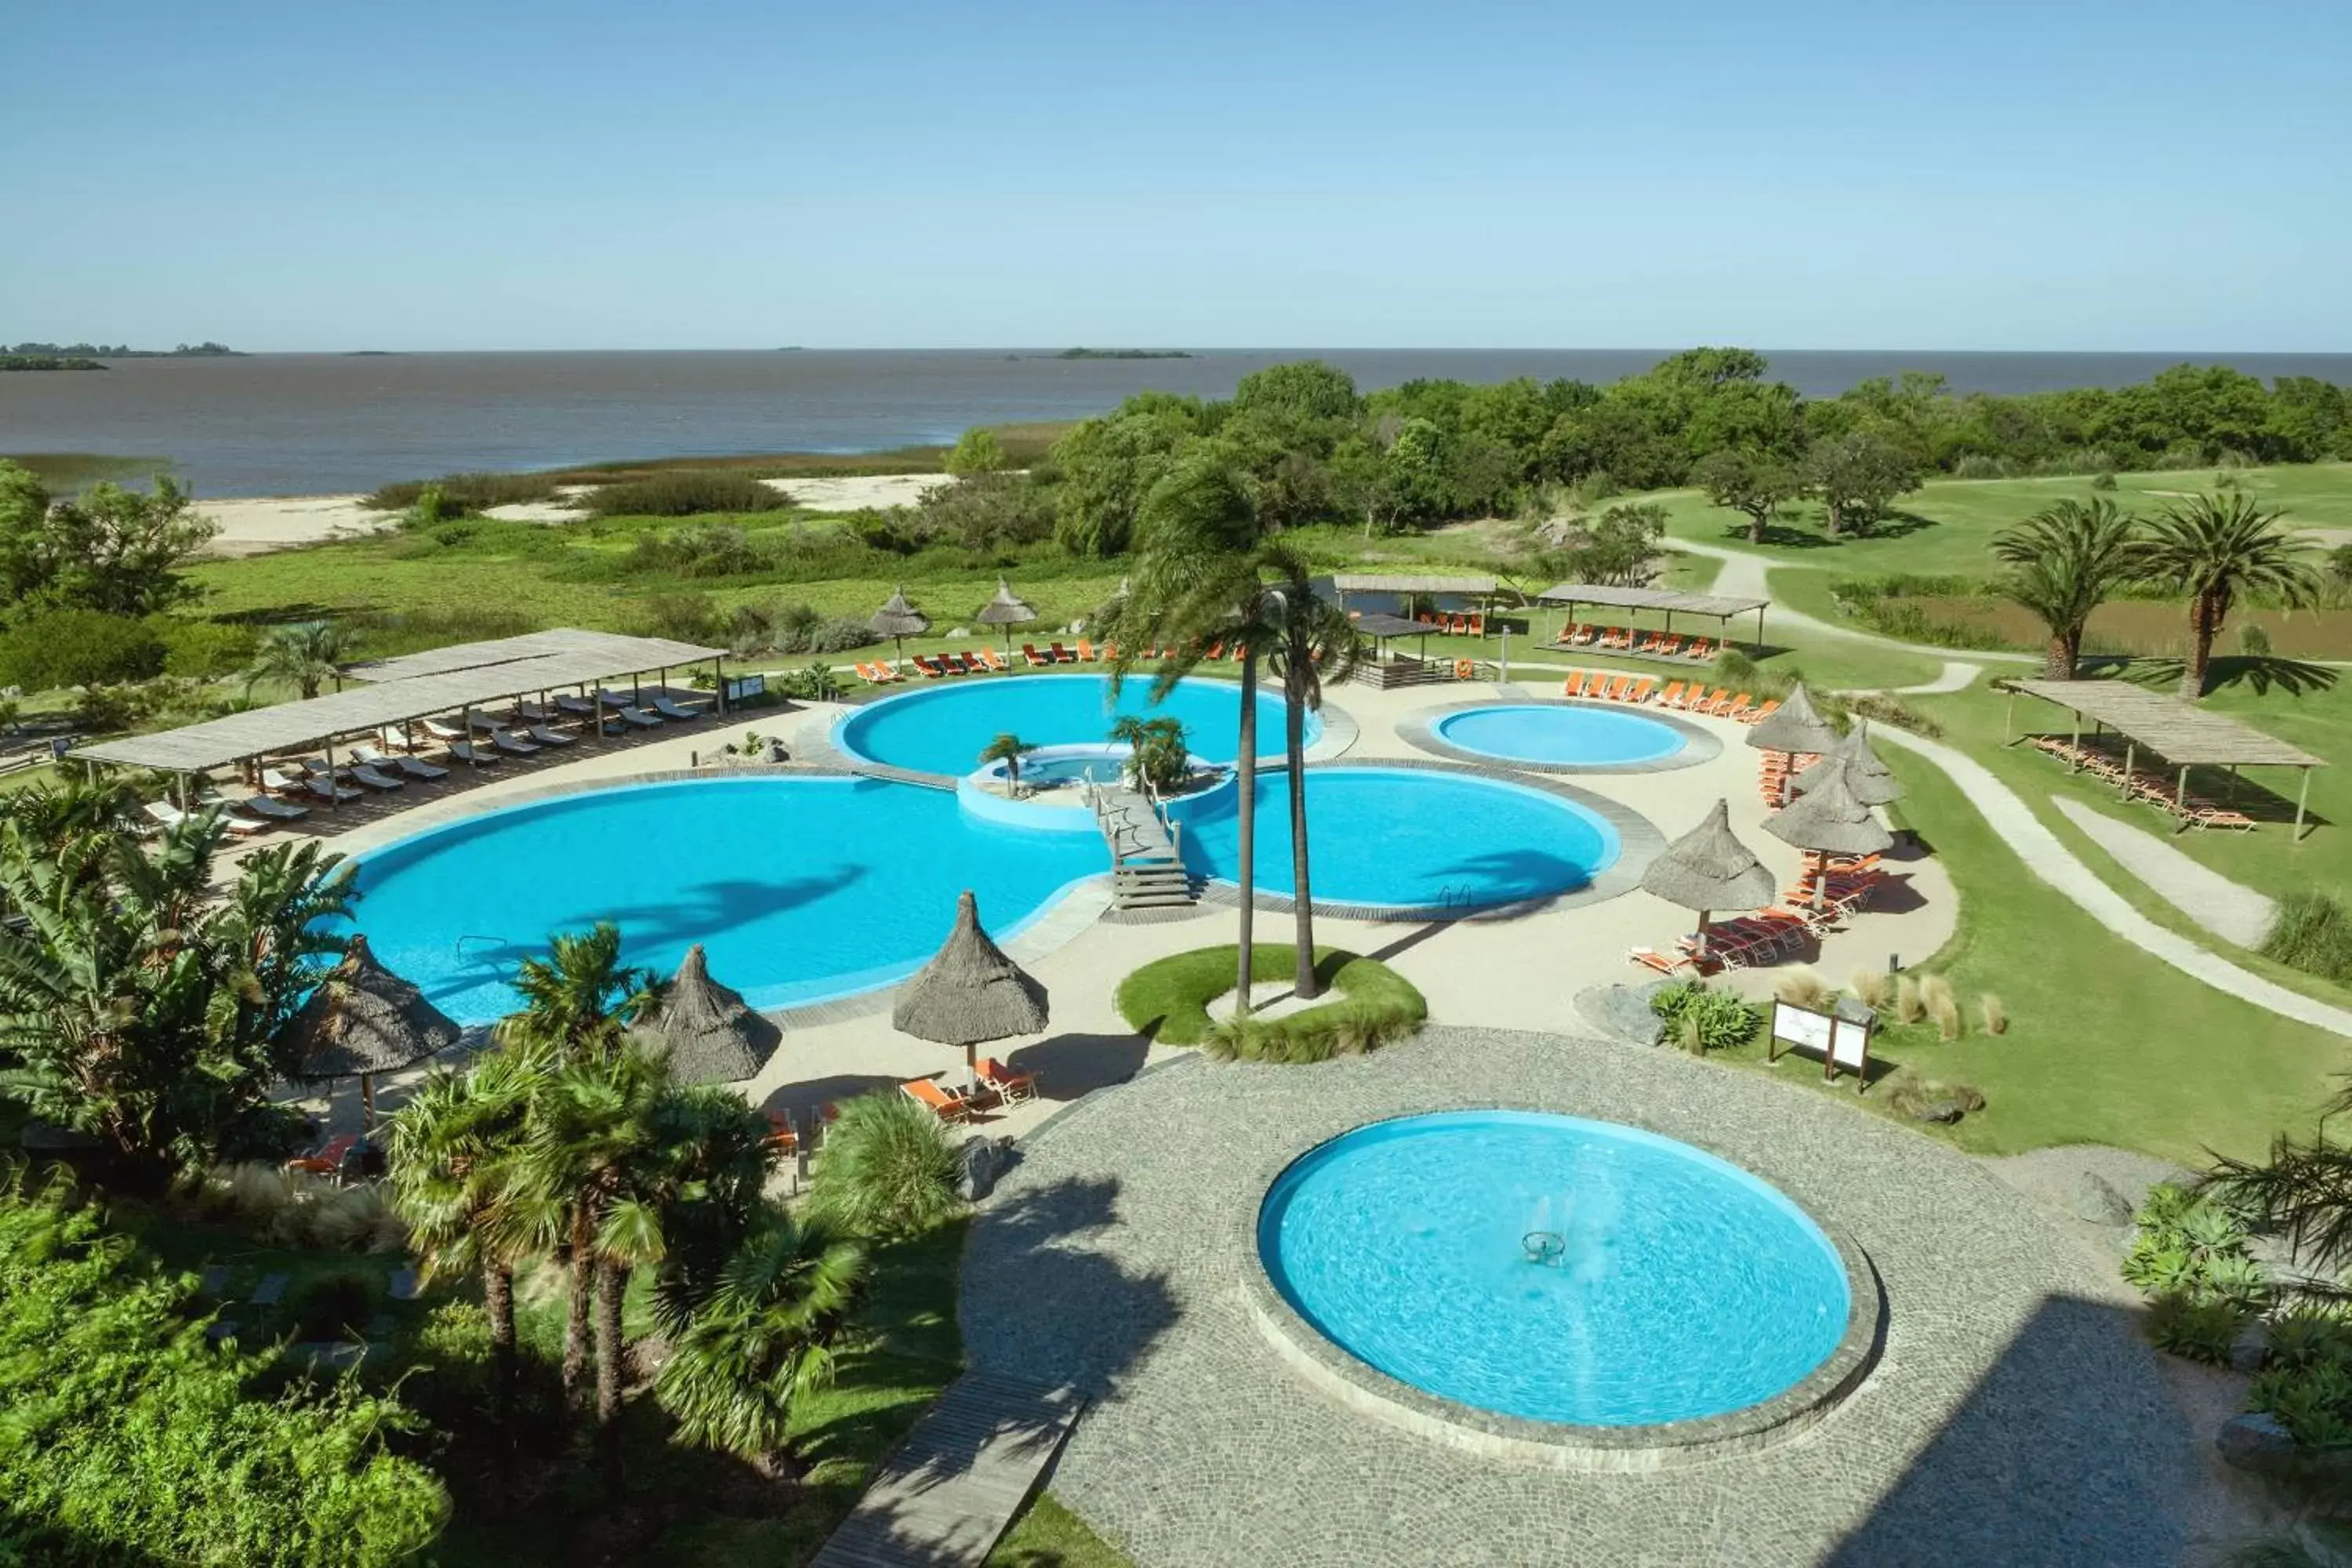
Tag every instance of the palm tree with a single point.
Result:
(451, 1152)
(2304, 1190)
(2213, 549)
(1314, 640)
(305, 656)
(1008, 748)
(579, 1001)
(764, 1336)
(1196, 585)
(2064, 561)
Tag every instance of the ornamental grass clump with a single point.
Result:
(890, 1169)
(1943, 1005)
(2311, 932)
(1803, 987)
(1909, 1007)
(1874, 988)
(1994, 1017)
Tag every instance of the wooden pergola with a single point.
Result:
(1720, 607)
(2182, 733)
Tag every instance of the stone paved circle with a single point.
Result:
(2015, 1418)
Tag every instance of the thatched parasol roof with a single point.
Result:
(1872, 780)
(1831, 817)
(363, 1020)
(1794, 726)
(898, 618)
(711, 1033)
(1005, 609)
(969, 992)
(1708, 869)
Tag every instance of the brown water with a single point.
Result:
(311, 423)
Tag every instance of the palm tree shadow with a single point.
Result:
(2259, 673)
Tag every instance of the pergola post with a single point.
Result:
(2009, 718)
(1759, 628)
(2075, 758)
(335, 790)
(2131, 755)
(2302, 799)
(719, 683)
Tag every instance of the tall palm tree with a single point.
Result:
(451, 1153)
(1314, 640)
(581, 999)
(2064, 562)
(2215, 548)
(1195, 586)
(762, 1337)
(306, 657)
(1008, 748)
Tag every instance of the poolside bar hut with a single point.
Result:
(1708, 869)
(1006, 610)
(899, 620)
(1829, 820)
(362, 1020)
(711, 1034)
(1383, 669)
(969, 992)
(1871, 780)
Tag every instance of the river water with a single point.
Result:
(315, 424)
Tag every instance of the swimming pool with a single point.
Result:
(1554, 1268)
(1560, 735)
(800, 887)
(942, 729)
(1412, 838)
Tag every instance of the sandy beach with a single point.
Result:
(855, 494)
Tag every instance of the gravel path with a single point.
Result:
(2229, 910)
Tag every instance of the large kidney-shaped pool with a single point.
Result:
(1561, 735)
(1554, 1268)
(799, 888)
(942, 729)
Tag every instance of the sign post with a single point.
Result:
(1841, 1039)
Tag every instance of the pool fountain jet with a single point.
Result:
(1544, 1245)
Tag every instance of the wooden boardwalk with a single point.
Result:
(943, 1496)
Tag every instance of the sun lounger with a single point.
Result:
(163, 814)
(872, 674)
(1036, 661)
(783, 1136)
(578, 705)
(328, 790)
(513, 745)
(1619, 687)
(1650, 958)
(1012, 1087)
(996, 662)
(1062, 655)
(1574, 685)
(440, 731)
(534, 712)
(268, 810)
(1672, 697)
(1109, 652)
(668, 709)
(945, 1103)
(1641, 690)
(1755, 715)
(544, 736)
(930, 667)
(636, 718)
(1086, 651)
(1699, 652)
(472, 755)
(366, 774)
(409, 767)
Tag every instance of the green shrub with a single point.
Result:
(207, 650)
(684, 617)
(333, 1306)
(889, 1168)
(792, 626)
(1373, 1004)
(1718, 1020)
(2183, 1324)
(2190, 1246)
(840, 636)
(2311, 932)
(2306, 1380)
(63, 647)
(459, 493)
(686, 493)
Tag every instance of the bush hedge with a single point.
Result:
(1169, 999)
(687, 494)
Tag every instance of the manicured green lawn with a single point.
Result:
(1170, 998)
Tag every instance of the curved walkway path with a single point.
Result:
(2017, 1415)
(1745, 575)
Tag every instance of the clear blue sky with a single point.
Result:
(2079, 174)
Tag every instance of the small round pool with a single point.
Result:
(1412, 838)
(943, 728)
(800, 888)
(1554, 734)
(1553, 1268)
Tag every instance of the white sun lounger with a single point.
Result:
(440, 731)
(163, 814)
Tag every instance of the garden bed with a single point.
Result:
(1372, 1005)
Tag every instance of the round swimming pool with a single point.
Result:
(799, 888)
(942, 729)
(1412, 838)
(1557, 735)
(1554, 1268)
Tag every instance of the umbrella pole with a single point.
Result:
(1820, 865)
(1699, 950)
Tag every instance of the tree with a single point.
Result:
(1314, 640)
(977, 451)
(1008, 748)
(890, 1169)
(1742, 480)
(762, 1339)
(1108, 465)
(2064, 562)
(111, 550)
(304, 656)
(2214, 548)
(1858, 476)
(1297, 396)
(1620, 549)
(1157, 753)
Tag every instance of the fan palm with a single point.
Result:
(2214, 548)
(1196, 586)
(1314, 640)
(762, 1337)
(1008, 748)
(2064, 562)
(2303, 1190)
(305, 656)
(579, 1000)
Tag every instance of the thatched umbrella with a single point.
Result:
(969, 992)
(711, 1033)
(1005, 610)
(1829, 819)
(1708, 869)
(900, 620)
(363, 1020)
(1872, 780)
(1794, 727)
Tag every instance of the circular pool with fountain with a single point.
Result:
(1561, 735)
(942, 728)
(1553, 1269)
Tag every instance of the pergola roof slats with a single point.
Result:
(1410, 582)
(1720, 606)
(2180, 732)
(627, 653)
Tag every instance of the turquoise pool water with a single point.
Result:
(1683, 1286)
(1413, 838)
(1560, 735)
(942, 729)
(800, 888)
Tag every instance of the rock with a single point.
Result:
(2256, 1442)
(2252, 1347)
(776, 752)
(1622, 1013)
(2096, 1200)
(978, 1165)
(1944, 1108)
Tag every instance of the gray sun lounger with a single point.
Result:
(579, 705)
(471, 754)
(326, 788)
(262, 807)
(636, 718)
(547, 737)
(669, 710)
(366, 774)
(513, 745)
(418, 768)
(534, 712)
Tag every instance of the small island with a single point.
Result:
(104, 350)
(1122, 353)
(47, 362)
